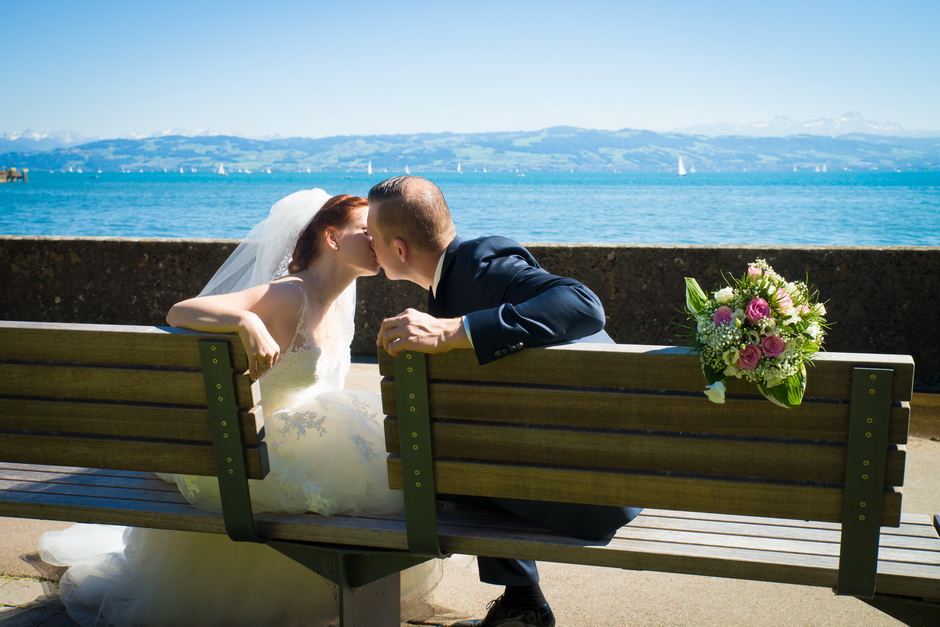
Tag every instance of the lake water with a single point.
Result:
(800, 208)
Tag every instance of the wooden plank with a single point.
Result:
(148, 455)
(121, 420)
(647, 368)
(42, 475)
(374, 532)
(109, 344)
(502, 536)
(803, 502)
(175, 387)
(613, 409)
(93, 490)
(643, 452)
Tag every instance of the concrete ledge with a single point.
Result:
(879, 299)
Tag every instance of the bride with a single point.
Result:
(294, 315)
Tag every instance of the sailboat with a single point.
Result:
(459, 169)
(369, 169)
(221, 171)
(407, 170)
(681, 167)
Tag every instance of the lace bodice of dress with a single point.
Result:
(304, 369)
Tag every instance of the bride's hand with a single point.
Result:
(262, 350)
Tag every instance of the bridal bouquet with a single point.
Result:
(760, 328)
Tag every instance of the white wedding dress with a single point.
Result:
(327, 455)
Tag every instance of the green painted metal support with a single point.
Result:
(414, 435)
(227, 440)
(368, 584)
(346, 564)
(864, 481)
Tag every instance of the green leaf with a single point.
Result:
(788, 394)
(695, 298)
(711, 373)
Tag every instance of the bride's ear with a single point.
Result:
(329, 234)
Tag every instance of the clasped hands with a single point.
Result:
(417, 331)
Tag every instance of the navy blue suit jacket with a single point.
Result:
(509, 301)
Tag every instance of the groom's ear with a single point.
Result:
(401, 249)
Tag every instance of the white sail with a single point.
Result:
(681, 167)
(459, 169)
(221, 171)
(370, 168)
(407, 170)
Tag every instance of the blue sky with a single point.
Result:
(333, 68)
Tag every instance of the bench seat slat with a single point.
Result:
(539, 405)
(467, 530)
(123, 454)
(168, 387)
(618, 451)
(107, 419)
(83, 490)
(604, 488)
(645, 368)
(698, 559)
(107, 344)
(90, 477)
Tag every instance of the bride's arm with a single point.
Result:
(257, 314)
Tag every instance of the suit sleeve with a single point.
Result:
(537, 308)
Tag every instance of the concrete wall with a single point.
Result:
(881, 300)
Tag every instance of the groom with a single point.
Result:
(488, 294)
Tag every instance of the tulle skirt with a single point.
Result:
(128, 576)
(327, 456)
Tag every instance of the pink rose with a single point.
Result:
(749, 357)
(722, 315)
(804, 309)
(754, 272)
(757, 310)
(773, 345)
(783, 299)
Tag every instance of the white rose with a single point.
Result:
(793, 316)
(813, 330)
(819, 309)
(725, 295)
(716, 392)
(730, 356)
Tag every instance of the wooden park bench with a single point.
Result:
(745, 490)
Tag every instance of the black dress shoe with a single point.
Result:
(501, 616)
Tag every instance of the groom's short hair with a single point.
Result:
(413, 209)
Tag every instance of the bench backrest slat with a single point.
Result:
(642, 367)
(120, 384)
(114, 420)
(629, 425)
(121, 397)
(592, 409)
(105, 344)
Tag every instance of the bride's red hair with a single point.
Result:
(336, 212)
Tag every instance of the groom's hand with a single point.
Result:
(417, 331)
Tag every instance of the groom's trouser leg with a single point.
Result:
(590, 522)
(507, 572)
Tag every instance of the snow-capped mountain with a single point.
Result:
(782, 126)
(32, 141)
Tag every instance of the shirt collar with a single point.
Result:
(437, 274)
